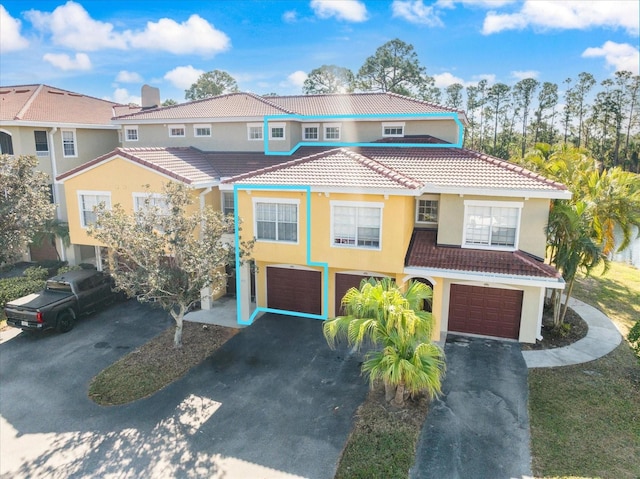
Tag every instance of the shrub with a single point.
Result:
(634, 338)
(36, 273)
(14, 288)
(66, 269)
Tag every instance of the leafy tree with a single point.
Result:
(399, 329)
(497, 107)
(166, 252)
(577, 100)
(329, 79)
(53, 228)
(213, 83)
(547, 100)
(523, 92)
(169, 102)
(25, 204)
(393, 68)
(454, 96)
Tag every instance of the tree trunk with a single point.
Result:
(389, 391)
(179, 318)
(398, 400)
(566, 302)
(556, 298)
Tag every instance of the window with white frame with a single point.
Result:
(87, 202)
(356, 224)
(492, 224)
(42, 143)
(254, 131)
(202, 130)
(131, 133)
(392, 129)
(311, 132)
(276, 131)
(276, 220)
(69, 148)
(144, 201)
(427, 210)
(228, 206)
(176, 130)
(332, 131)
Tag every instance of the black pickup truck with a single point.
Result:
(64, 299)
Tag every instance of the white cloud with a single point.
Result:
(522, 74)
(443, 80)
(71, 26)
(64, 62)
(297, 78)
(183, 77)
(490, 77)
(125, 76)
(195, 35)
(290, 16)
(10, 37)
(473, 3)
(348, 10)
(567, 15)
(415, 11)
(122, 95)
(620, 56)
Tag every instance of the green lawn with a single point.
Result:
(585, 419)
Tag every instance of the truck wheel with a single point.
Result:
(65, 322)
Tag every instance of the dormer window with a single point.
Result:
(276, 131)
(427, 210)
(254, 131)
(393, 130)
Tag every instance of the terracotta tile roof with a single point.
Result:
(221, 106)
(43, 103)
(188, 165)
(356, 104)
(423, 252)
(340, 167)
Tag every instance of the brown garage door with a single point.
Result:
(344, 282)
(487, 311)
(294, 290)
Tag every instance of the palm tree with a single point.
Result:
(51, 230)
(395, 324)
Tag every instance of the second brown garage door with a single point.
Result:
(294, 290)
(486, 311)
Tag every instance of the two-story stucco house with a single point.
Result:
(337, 188)
(64, 130)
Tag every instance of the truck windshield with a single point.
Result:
(58, 287)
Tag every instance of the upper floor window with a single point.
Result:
(276, 220)
(144, 201)
(69, 143)
(427, 210)
(176, 130)
(42, 144)
(87, 201)
(310, 133)
(276, 131)
(332, 131)
(202, 130)
(393, 129)
(492, 225)
(131, 133)
(356, 224)
(228, 206)
(254, 131)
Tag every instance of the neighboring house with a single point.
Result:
(346, 187)
(63, 129)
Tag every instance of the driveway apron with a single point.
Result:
(273, 402)
(479, 428)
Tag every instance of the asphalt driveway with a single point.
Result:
(273, 402)
(479, 428)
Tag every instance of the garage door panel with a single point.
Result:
(294, 290)
(486, 311)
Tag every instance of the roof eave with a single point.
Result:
(504, 192)
(486, 277)
(59, 124)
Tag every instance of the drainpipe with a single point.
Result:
(54, 189)
(205, 293)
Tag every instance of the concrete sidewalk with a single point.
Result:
(602, 338)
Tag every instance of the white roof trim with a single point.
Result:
(53, 124)
(553, 283)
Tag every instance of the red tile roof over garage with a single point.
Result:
(425, 253)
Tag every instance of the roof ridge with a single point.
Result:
(383, 169)
(423, 102)
(27, 104)
(270, 103)
(521, 170)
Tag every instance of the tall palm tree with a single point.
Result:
(395, 324)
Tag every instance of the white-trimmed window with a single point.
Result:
(356, 224)
(69, 148)
(427, 210)
(332, 131)
(311, 132)
(87, 201)
(42, 143)
(276, 220)
(176, 131)
(277, 131)
(142, 201)
(228, 206)
(492, 224)
(393, 129)
(254, 131)
(131, 133)
(202, 130)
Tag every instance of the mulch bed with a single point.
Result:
(576, 329)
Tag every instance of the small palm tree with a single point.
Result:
(379, 314)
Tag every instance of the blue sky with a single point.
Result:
(109, 49)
